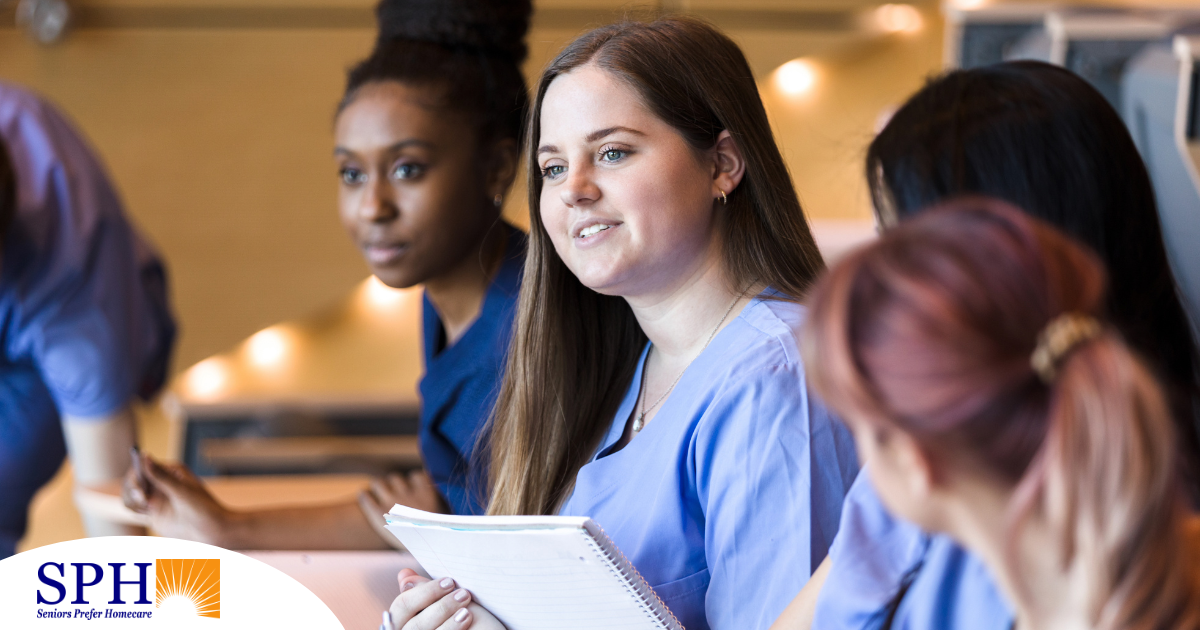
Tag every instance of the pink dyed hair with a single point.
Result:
(930, 331)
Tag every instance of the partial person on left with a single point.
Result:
(85, 327)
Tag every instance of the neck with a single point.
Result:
(1045, 594)
(679, 318)
(458, 294)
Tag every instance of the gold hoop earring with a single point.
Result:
(498, 200)
(724, 199)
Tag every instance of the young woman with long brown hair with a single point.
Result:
(654, 382)
(968, 352)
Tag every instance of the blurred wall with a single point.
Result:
(214, 119)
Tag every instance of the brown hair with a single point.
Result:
(574, 351)
(931, 330)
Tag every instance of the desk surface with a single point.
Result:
(356, 585)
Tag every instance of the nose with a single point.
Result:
(378, 202)
(579, 189)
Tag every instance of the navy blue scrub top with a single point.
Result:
(84, 321)
(461, 382)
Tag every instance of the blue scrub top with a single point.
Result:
(874, 553)
(729, 498)
(461, 382)
(84, 321)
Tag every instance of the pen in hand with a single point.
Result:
(142, 484)
(387, 621)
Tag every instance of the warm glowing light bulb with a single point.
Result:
(898, 18)
(207, 379)
(968, 5)
(268, 348)
(796, 77)
(380, 296)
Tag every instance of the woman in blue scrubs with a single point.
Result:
(1043, 139)
(654, 382)
(428, 138)
(967, 350)
(85, 327)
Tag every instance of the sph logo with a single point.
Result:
(183, 585)
(87, 574)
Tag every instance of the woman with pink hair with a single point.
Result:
(967, 352)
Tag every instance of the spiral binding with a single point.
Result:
(623, 568)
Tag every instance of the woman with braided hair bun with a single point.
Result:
(428, 137)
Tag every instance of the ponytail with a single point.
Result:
(1104, 478)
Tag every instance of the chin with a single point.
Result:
(396, 278)
(600, 278)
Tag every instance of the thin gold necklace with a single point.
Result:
(640, 421)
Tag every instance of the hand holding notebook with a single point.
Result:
(534, 572)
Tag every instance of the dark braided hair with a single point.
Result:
(470, 49)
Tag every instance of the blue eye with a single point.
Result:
(352, 176)
(407, 171)
(553, 171)
(612, 155)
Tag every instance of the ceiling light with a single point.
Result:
(379, 296)
(796, 77)
(207, 379)
(268, 348)
(898, 18)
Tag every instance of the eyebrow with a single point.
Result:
(395, 147)
(592, 137)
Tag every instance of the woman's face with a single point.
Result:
(901, 471)
(412, 192)
(628, 203)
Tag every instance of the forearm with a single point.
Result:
(336, 526)
(99, 450)
(799, 614)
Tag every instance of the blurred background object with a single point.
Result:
(44, 20)
(1142, 58)
(216, 119)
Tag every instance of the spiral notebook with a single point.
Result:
(534, 572)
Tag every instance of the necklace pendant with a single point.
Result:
(637, 423)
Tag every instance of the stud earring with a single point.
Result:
(724, 199)
(498, 200)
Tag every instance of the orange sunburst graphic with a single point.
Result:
(197, 580)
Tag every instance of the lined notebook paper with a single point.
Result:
(534, 572)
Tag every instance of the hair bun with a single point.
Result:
(494, 26)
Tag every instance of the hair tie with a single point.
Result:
(1062, 335)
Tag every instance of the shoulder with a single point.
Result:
(763, 343)
(754, 375)
(512, 267)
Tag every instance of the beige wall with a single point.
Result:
(219, 140)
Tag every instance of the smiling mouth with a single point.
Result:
(593, 229)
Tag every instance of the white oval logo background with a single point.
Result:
(251, 594)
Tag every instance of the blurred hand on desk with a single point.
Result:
(179, 505)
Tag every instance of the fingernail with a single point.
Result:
(446, 583)
(461, 595)
(461, 615)
(408, 586)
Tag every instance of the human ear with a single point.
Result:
(502, 157)
(728, 165)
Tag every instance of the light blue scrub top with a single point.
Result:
(874, 553)
(729, 499)
(84, 319)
